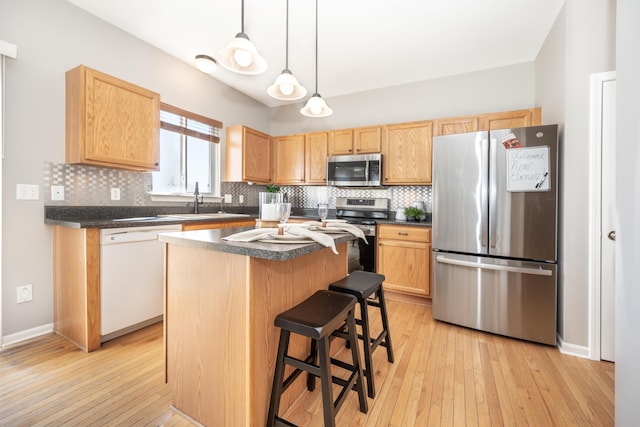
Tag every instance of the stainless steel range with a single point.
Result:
(363, 212)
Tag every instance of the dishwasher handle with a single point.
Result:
(121, 236)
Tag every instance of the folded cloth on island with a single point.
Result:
(332, 227)
(267, 233)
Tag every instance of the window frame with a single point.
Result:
(205, 129)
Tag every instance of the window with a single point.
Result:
(189, 153)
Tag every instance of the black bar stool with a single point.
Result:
(317, 317)
(362, 285)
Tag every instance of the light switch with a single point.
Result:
(228, 198)
(27, 192)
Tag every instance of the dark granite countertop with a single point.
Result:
(426, 223)
(131, 216)
(212, 240)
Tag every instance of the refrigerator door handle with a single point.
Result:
(484, 196)
(492, 194)
(511, 269)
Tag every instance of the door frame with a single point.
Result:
(11, 51)
(595, 217)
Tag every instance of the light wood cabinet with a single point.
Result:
(315, 158)
(110, 122)
(362, 140)
(404, 258)
(456, 125)
(341, 142)
(406, 150)
(289, 159)
(249, 155)
(491, 121)
(511, 119)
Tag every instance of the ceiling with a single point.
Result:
(362, 44)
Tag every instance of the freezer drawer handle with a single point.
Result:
(537, 271)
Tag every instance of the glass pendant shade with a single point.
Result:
(286, 87)
(316, 107)
(206, 64)
(241, 56)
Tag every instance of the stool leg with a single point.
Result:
(366, 338)
(276, 388)
(385, 324)
(353, 338)
(311, 379)
(326, 383)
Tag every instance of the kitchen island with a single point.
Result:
(221, 299)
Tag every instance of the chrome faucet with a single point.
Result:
(199, 199)
(221, 204)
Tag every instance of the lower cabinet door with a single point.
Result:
(405, 265)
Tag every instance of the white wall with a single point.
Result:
(582, 42)
(628, 207)
(54, 36)
(498, 89)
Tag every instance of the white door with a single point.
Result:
(608, 222)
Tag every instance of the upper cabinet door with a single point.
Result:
(289, 159)
(341, 142)
(316, 145)
(249, 155)
(367, 140)
(110, 122)
(511, 119)
(406, 150)
(456, 125)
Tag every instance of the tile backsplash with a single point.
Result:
(91, 186)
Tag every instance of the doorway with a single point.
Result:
(603, 217)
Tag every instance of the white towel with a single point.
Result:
(266, 233)
(336, 226)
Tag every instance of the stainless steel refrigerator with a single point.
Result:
(495, 216)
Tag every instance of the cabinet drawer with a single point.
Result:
(403, 232)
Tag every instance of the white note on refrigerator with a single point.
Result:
(528, 169)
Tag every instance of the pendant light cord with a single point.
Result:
(316, 46)
(286, 61)
(242, 18)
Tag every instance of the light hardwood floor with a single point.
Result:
(442, 375)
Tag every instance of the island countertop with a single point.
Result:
(213, 240)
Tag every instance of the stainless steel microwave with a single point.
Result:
(362, 170)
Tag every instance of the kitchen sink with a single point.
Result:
(204, 215)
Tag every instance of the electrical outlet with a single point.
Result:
(228, 198)
(27, 192)
(241, 199)
(57, 192)
(24, 293)
(115, 194)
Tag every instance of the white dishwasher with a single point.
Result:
(131, 278)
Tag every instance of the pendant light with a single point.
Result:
(286, 87)
(206, 64)
(240, 55)
(316, 107)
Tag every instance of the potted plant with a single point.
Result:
(272, 188)
(412, 213)
(268, 199)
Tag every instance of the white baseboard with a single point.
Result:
(27, 335)
(572, 349)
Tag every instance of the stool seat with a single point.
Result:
(317, 316)
(361, 284)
